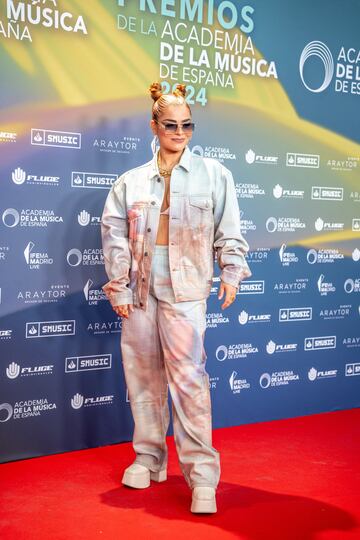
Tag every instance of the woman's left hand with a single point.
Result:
(230, 294)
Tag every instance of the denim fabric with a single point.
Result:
(204, 222)
(165, 345)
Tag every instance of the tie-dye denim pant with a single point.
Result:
(163, 348)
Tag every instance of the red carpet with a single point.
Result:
(295, 479)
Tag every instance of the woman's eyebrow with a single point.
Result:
(172, 120)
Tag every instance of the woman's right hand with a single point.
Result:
(123, 310)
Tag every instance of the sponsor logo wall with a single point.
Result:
(281, 120)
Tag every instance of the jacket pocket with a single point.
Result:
(200, 209)
(136, 221)
(201, 201)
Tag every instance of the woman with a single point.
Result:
(162, 224)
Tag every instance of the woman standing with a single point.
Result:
(162, 224)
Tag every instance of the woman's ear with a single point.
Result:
(153, 126)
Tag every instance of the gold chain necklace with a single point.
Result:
(165, 172)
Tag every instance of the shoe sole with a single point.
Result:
(142, 480)
(201, 506)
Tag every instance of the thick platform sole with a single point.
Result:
(142, 480)
(202, 506)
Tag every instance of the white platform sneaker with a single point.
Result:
(139, 476)
(203, 500)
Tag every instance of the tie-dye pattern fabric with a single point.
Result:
(163, 348)
(204, 222)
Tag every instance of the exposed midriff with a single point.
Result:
(162, 237)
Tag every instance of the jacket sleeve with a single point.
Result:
(115, 242)
(229, 244)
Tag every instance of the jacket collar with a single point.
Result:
(185, 162)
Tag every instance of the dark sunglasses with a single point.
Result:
(187, 127)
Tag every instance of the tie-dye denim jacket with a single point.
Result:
(204, 223)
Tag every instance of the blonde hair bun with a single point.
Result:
(180, 90)
(156, 90)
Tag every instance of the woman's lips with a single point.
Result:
(178, 140)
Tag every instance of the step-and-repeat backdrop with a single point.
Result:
(275, 96)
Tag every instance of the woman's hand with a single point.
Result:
(123, 310)
(230, 294)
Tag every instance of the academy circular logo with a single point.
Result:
(320, 50)
(221, 353)
(312, 256)
(349, 285)
(265, 380)
(271, 224)
(11, 217)
(74, 257)
(198, 150)
(9, 411)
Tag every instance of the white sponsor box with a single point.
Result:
(50, 329)
(320, 342)
(295, 314)
(92, 180)
(327, 193)
(87, 363)
(302, 160)
(352, 369)
(252, 287)
(62, 139)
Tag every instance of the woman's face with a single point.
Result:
(172, 141)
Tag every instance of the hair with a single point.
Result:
(161, 100)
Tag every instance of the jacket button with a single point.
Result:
(158, 180)
(141, 304)
(146, 253)
(148, 229)
(143, 279)
(153, 202)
